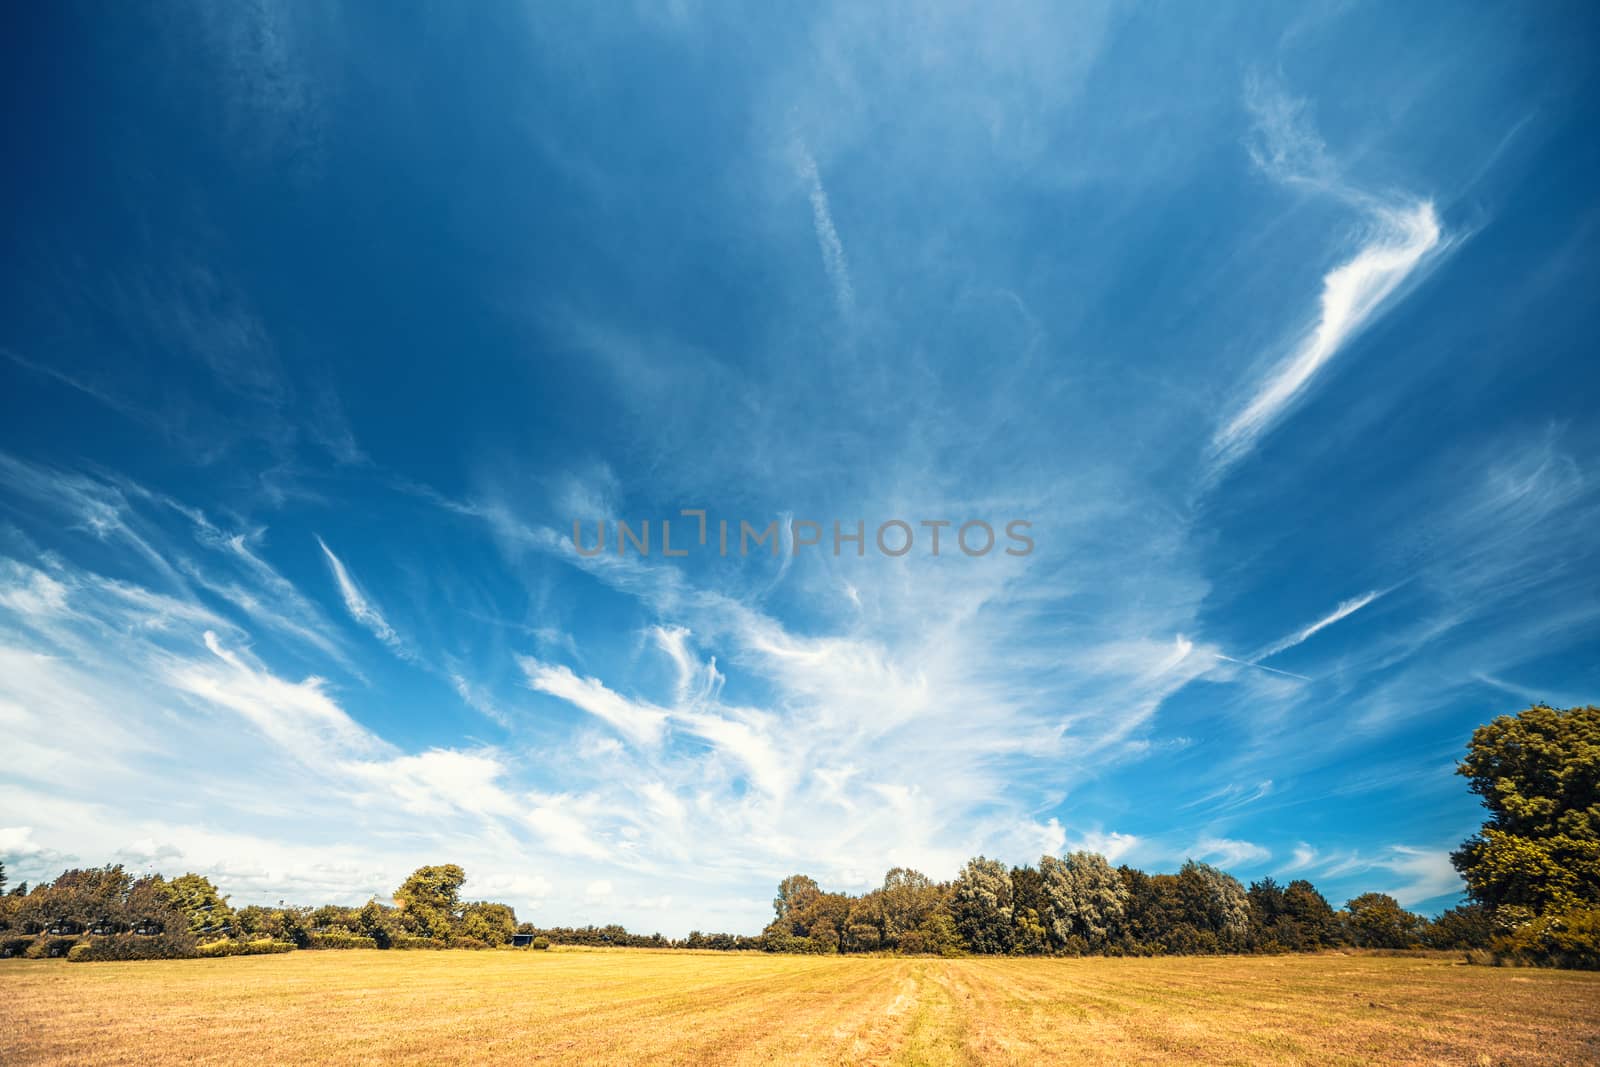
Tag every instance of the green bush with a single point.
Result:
(407, 941)
(261, 947)
(469, 942)
(320, 941)
(540, 943)
(1565, 939)
(791, 943)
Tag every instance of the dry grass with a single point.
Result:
(699, 1008)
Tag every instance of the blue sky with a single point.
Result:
(322, 324)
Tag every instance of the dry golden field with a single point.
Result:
(617, 1007)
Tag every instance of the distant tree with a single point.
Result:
(1268, 913)
(980, 904)
(795, 893)
(863, 930)
(1538, 774)
(373, 920)
(332, 919)
(1313, 921)
(1467, 926)
(1084, 897)
(1214, 903)
(909, 897)
(826, 919)
(1027, 889)
(205, 909)
(84, 897)
(429, 901)
(107, 901)
(1376, 920)
(1295, 917)
(934, 936)
(489, 922)
(1029, 912)
(1147, 919)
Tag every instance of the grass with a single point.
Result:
(617, 1007)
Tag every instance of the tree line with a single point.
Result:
(1532, 874)
(1078, 904)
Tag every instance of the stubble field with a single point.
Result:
(601, 1007)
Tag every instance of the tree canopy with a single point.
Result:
(1538, 774)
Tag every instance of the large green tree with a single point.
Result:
(795, 893)
(430, 900)
(909, 897)
(1538, 774)
(981, 905)
(1086, 899)
(202, 905)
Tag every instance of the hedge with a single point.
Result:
(132, 947)
(316, 941)
(41, 948)
(405, 941)
(261, 947)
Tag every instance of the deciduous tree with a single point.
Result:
(980, 903)
(1538, 774)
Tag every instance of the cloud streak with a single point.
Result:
(1344, 610)
(1352, 295)
(1403, 236)
(828, 243)
(361, 609)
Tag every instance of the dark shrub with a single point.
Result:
(56, 948)
(12, 947)
(178, 944)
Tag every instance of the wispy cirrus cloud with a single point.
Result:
(834, 260)
(1352, 295)
(360, 607)
(1344, 610)
(1403, 235)
(1229, 852)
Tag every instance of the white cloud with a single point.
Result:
(641, 723)
(832, 249)
(1404, 235)
(1229, 853)
(300, 716)
(360, 607)
(1427, 874)
(1352, 294)
(1345, 609)
(437, 782)
(1113, 845)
